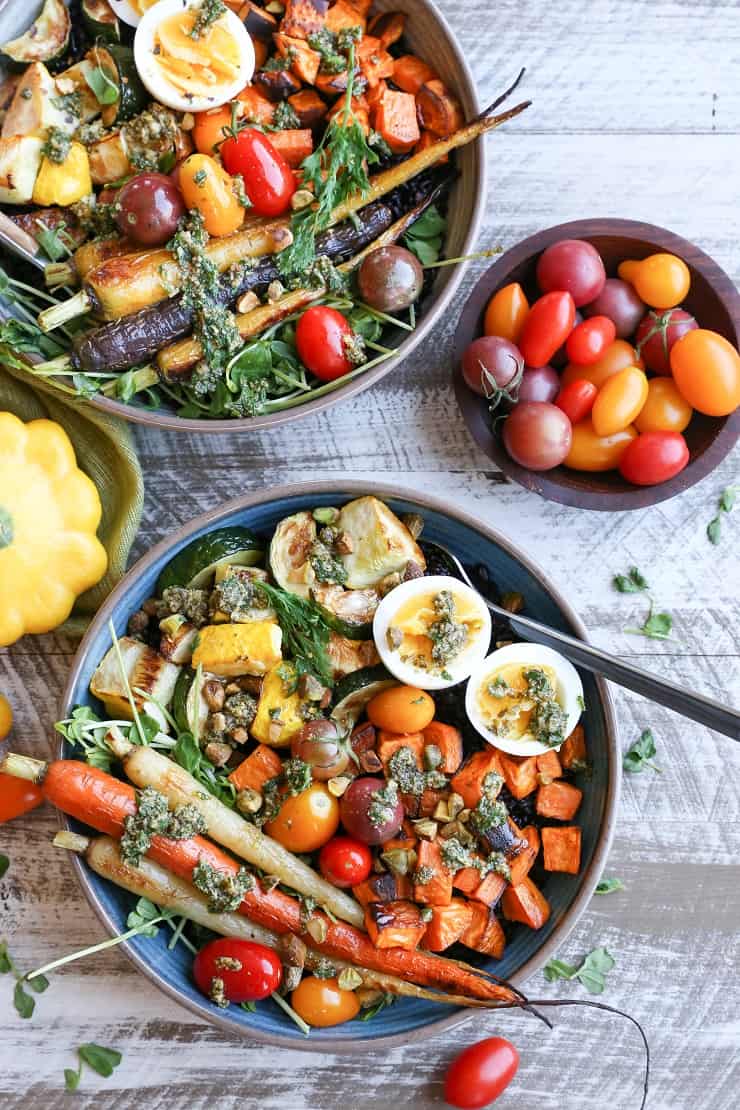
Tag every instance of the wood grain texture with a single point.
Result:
(636, 114)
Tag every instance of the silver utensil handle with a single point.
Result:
(703, 710)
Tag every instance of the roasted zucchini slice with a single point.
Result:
(195, 566)
(189, 710)
(352, 693)
(348, 612)
(145, 670)
(101, 21)
(346, 656)
(116, 63)
(290, 549)
(45, 39)
(381, 544)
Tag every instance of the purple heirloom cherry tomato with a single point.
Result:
(537, 435)
(619, 301)
(540, 383)
(490, 364)
(149, 208)
(573, 266)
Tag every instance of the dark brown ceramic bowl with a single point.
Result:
(712, 299)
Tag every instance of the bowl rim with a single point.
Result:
(639, 497)
(468, 91)
(591, 875)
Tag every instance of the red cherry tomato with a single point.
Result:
(321, 337)
(656, 335)
(257, 976)
(17, 796)
(654, 457)
(345, 861)
(481, 1073)
(269, 181)
(577, 399)
(588, 342)
(547, 326)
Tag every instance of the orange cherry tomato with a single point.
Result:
(665, 410)
(401, 709)
(17, 796)
(306, 821)
(706, 369)
(205, 185)
(210, 129)
(661, 280)
(507, 310)
(322, 1002)
(619, 400)
(596, 453)
(618, 355)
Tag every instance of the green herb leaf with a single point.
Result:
(39, 983)
(609, 886)
(250, 1007)
(144, 912)
(724, 505)
(558, 969)
(381, 1004)
(6, 964)
(657, 626)
(52, 241)
(4, 864)
(72, 1078)
(22, 1001)
(714, 530)
(727, 499)
(101, 1060)
(591, 973)
(640, 754)
(103, 85)
(632, 583)
(305, 633)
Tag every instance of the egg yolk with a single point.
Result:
(504, 700)
(198, 66)
(142, 6)
(431, 630)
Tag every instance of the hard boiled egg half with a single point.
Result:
(432, 632)
(523, 691)
(130, 11)
(192, 74)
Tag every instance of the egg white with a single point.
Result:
(460, 667)
(123, 10)
(155, 81)
(568, 692)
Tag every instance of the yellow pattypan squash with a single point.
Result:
(49, 514)
(63, 182)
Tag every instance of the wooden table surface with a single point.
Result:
(636, 113)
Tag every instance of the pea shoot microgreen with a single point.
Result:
(640, 754)
(631, 583)
(22, 1000)
(725, 504)
(591, 972)
(102, 1060)
(4, 865)
(609, 886)
(656, 626)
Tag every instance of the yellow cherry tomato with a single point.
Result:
(507, 310)
(618, 354)
(665, 410)
(205, 185)
(596, 453)
(210, 128)
(706, 369)
(401, 709)
(6, 717)
(306, 821)
(322, 1002)
(619, 400)
(661, 280)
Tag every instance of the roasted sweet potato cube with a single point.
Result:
(390, 742)
(359, 112)
(561, 849)
(487, 890)
(521, 865)
(395, 119)
(484, 933)
(256, 107)
(311, 112)
(382, 888)
(439, 111)
(342, 15)
(559, 800)
(548, 766)
(276, 84)
(375, 62)
(334, 84)
(448, 740)
(304, 62)
(304, 17)
(294, 145)
(394, 924)
(388, 27)
(362, 7)
(437, 889)
(526, 903)
(259, 767)
(574, 749)
(520, 774)
(410, 73)
(447, 925)
(260, 23)
(429, 801)
(468, 781)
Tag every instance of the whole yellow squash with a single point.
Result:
(49, 514)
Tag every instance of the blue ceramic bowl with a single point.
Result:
(568, 895)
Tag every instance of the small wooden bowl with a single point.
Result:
(712, 299)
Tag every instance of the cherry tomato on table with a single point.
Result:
(654, 457)
(614, 359)
(548, 324)
(537, 435)
(590, 340)
(572, 265)
(594, 453)
(322, 1002)
(307, 820)
(205, 185)
(480, 1073)
(661, 280)
(248, 971)
(706, 369)
(322, 336)
(656, 335)
(576, 399)
(619, 401)
(269, 181)
(506, 312)
(665, 409)
(345, 861)
(149, 207)
(17, 797)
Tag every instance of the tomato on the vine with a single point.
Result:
(238, 970)
(345, 861)
(654, 457)
(322, 337)
(658, 332)
(706, 369)
(506, 312)
(589, 340)
(269, 181)
(480, 1073)
(548, 324)
(576, 399)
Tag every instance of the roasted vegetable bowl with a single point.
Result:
(268, 763)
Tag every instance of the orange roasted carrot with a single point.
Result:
(103, 802)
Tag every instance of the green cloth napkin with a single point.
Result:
(105, 451)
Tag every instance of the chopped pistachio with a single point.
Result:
(338, 785)
(301, 199)
(349, 979)
(426, 914)
(425, 829)
(398, 860)
(317, 928)
(455, 805)
(441, 810)
(248, 800)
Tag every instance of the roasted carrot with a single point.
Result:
(394, 925)
(102, 802)
(390, 742)
(447, 925)
(448, 740)
(428, 139)
(86, 258)
(468, 782)
(439, 111)
(573, 751)
(395, 120)
(309, 107)
(294, 145)
(526, 903)
(559, 800)
(484, 933)
(258, 768)
(520, 775)
(342, 15)
(432, 880)
(561, 849)
(410, 73)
